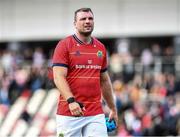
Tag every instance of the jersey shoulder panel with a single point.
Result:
(61, 52)
(98, 43)
(66, 41)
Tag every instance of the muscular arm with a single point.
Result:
(107, 93)
(61, 83)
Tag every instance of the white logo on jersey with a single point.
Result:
(89, 61)
(88, 67)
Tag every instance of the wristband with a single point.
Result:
(71, 100)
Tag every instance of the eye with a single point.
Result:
(90, 18)
(83, 19)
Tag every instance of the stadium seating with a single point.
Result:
(20, 128)
(50, 127)
(30, 116)
(13, 115)
(3, 111)
(42, 116)
(31, 108)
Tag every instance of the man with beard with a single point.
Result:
(80, 74)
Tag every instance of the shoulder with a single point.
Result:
(98, 43)
(64, 42)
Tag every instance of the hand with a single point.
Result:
(75, 109)
(113, 115)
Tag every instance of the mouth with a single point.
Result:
(88, 27)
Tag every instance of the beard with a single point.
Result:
(88, 33)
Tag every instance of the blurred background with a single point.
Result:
(142, 38)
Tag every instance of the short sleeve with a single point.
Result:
(60, 56)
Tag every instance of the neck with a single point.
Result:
(83, 38)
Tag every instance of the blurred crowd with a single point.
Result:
(146, 87)
(147, 90)
(22, 70)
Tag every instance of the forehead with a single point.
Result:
(83, 14)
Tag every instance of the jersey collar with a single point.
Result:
(80, 42)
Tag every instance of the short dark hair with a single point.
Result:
(81, 10)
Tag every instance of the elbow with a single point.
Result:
(58, 79)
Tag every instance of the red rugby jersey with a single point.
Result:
(85, 62)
